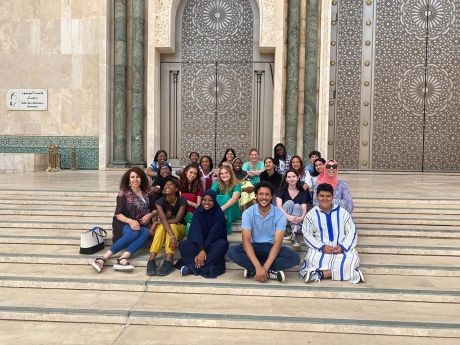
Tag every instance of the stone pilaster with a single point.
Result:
(292, 80)
(311, 80)
(137, 83)
(119, 81)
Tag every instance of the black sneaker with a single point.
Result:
(166, 268)
(248, 274)
(276, 275)
(151, 268)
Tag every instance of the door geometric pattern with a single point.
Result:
(216, 76)
(437, 15)
(348, 84)
(413, 92)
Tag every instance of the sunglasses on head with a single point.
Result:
(331, 166)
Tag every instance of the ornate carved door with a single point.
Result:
(394, 91)
(217, 81)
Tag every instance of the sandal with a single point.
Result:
(96, 265)
(127, 267)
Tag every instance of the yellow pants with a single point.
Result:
(161, 237)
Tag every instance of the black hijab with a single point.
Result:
(207, 226)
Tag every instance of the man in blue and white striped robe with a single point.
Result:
(331, 237)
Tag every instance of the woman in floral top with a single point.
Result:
(133, 217)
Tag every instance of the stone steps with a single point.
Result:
(266, 312)
(441, 266)
(370, 245)
(84, 333)
(409, 253)
(377, 287)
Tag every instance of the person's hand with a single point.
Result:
(299, 220)
(134, 224)
(292, 219)
(156, 189)
(173, 243)
(337, 250)
(200, 259)
(249, 189)
(146, 219)
(328, 250)
(261, 274)
(153, 227)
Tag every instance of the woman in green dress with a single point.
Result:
(228, 192)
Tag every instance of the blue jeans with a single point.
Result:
(286, 258)
(131, 239)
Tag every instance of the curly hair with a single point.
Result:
(155, 159)
(231, 183)
(211, 164)
(184, 185)
(124, 182)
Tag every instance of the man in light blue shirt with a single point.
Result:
(261, 253)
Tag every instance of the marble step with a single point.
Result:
(96, 210)
(68, 194)
(443, 266)
(63, 230)
(371, 245)
(415, 211)
(61, 225)
(242, 312)
(450, 220)
(412, 233)
(12, 333)
(66, 201)
(376, 287)
(92, 212)
(435, 202)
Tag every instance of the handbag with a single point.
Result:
(92, 241)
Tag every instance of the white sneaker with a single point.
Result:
(312, 275)
(358, 277)
(295, 242)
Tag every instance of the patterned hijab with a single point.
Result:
(325, 178)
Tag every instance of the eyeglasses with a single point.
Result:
(331, 166)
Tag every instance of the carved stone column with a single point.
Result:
(137, 83)
(311, 79)
(292, 82)
(119, 81)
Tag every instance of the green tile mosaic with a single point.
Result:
(87, 148)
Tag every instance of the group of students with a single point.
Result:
(194, 213)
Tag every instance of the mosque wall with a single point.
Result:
(61, 46)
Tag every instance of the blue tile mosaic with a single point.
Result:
(87, 148)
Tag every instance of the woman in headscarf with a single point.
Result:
(342, 194)
(203, 252)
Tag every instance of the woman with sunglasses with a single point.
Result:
(342, 194)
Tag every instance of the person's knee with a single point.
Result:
(235, 251)
(129, 233)
(222, 244)
(288, 206)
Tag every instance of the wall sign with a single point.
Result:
(27, 99)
